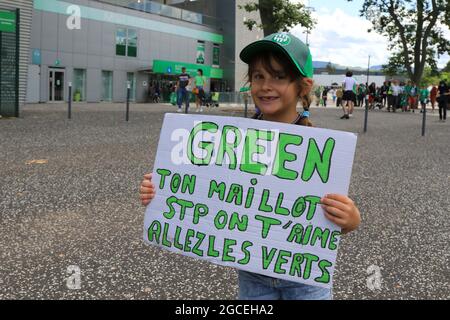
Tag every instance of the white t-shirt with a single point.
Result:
(348, 83)
(396, 90)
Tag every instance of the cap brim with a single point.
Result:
(257, 47)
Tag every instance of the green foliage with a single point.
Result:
(447, 67)
(330, 68)
(278, 15)
(431, 77)
(411, 26)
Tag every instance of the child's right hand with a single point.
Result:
(147, 190)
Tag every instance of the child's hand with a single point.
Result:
(342, 211)
(147, 190)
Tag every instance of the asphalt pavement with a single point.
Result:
(69, 197)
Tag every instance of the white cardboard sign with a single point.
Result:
(245, 193)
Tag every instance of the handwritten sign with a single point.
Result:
(245, 193)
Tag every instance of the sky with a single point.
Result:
(340, 35)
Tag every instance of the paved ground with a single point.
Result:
(80, 207)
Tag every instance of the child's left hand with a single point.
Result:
(342, 211)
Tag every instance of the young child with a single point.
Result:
(280, 73)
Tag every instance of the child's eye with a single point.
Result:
(257, 76)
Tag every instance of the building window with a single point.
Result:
(200, 52)
(216, 56)
(126, 42)
(132, 43)
(79, 84)
(107, 85)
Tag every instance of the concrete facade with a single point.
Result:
(92, 47)
(243, 38)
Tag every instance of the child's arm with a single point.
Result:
(342, 211)
(147, 190)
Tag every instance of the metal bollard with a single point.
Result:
(127, 117)
(70, 101)
(424, 119)
(366, 113)
(187, 101)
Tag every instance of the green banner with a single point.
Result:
(174, 67)
(200, 53)
(216, 56)
(7, 21)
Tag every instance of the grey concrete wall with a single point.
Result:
(243, 38)
(227, 50)
(119, 86)
(33, 90)
(93, 92)
(141, 90)
(93, 48)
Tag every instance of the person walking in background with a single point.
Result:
(415, 96)
(389, 96)
(317, 93)
(372, 92)
(443, 97)
(349, 85)
(433, 95)
(361, 92)
(199, 91)
(156, 94)
(325, 96)
(383, 93)
(411, 92)
(407, 89)
(333, 94)
(339, 94)
(396, 91)
(403, 97)
(182, 94)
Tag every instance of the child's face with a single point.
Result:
(273, 94)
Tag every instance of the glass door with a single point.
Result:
(79, 85)
(56, 85)
(107, 85)
(132, 81)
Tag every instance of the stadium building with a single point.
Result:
(101, 46)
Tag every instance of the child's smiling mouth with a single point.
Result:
(268, 98)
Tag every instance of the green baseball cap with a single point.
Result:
(286, 43)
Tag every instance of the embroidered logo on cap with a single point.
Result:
(282, 38)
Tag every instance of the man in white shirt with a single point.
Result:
(348, 99)
(396, 91)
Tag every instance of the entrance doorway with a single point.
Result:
(56, 85)
(165, 84)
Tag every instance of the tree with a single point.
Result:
(330, 68)
(278, 15)
(431, 77)
(447, 67)
(411, 26)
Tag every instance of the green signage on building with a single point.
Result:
(7, 21)
(201, 53)
(216, 56)
(174, 67)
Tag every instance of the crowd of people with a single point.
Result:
(393, 96)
